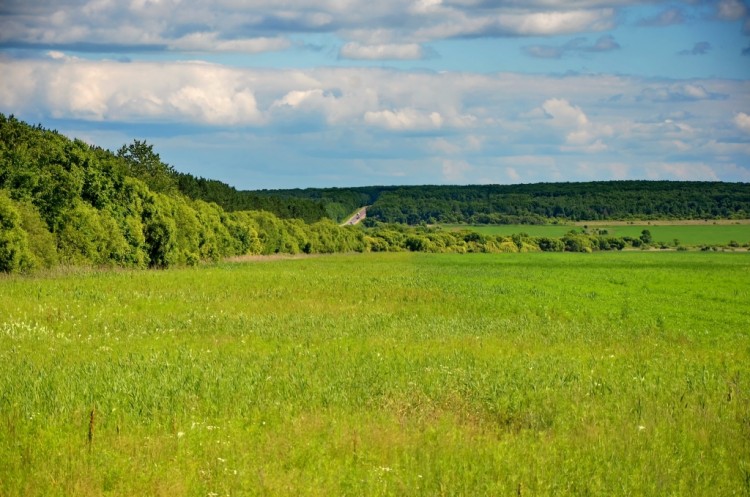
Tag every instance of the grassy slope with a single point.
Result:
(397, 374)
(698, 234)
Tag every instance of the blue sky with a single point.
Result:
(269, 94)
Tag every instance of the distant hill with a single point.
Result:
(536, 203)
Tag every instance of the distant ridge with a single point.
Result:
(535, 203)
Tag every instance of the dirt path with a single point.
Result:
(357, 217)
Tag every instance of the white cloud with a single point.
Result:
(492, 122)
(209, 42)
(404, 119)
(297, 98)
(563, 114)
(742, 121)
(193, 92)
(556, 23)
(731, 10)
(681, 92)
(405, 51)
(666, 17)
(232, 25)
(581, 134)
(513, 22)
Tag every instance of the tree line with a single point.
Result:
(540, 203)
(64, 202)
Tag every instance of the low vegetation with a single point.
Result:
(727, 235)
(381, 374)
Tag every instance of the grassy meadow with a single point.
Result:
(687, 234)
(381, 374)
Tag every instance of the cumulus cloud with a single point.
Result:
(193, 92)
(404, 119)
(385, 29)
(555, 23)
(605, 43)
(511, 22)
(700, 48)
(686, 92)
(563, 114)
(581, 134)
(742, 121)
(385, 115)
(210, 42)
(731, 10)
(407, 51)
(666, 17)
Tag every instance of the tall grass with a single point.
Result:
(397, 374)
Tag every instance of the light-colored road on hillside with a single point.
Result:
(357, 217)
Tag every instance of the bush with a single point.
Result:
(550, 244)
(42, 243)
(81, 237)
(15, 255)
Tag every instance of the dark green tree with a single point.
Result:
(145, 164)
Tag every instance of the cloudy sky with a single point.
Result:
(314, 93)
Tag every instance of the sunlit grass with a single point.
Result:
(398, 374)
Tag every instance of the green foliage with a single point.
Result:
(232, 200)
(82, 205)
(547, 244)
(81, 236)
(145, 164)
(159, 231)
(539, 203)
(42, 243)
(15, 255)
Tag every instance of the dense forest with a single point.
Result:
(64, 202)
(539, 203)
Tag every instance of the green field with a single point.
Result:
(694, 235)
(396, 374)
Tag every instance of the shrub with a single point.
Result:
(15, 255)
(41, 242)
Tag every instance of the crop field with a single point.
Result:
(381, 374)
(686, 234)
